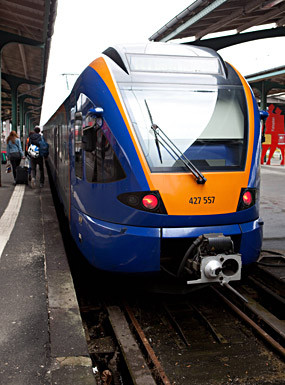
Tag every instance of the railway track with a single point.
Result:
(135, 337)
(180, 339)
(149, 340)
(262, 321)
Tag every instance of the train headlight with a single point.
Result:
(248, 198)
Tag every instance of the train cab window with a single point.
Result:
(208, 124)
(99, 161)
(102, 164)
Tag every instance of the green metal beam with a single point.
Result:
(215, 4)
(21, 109)
(28, 120)
(267, 85)
(14, 82)
(6, 90)
(271, 85)
(264, 87)
(264, 91)
(17, 80)
(7, 38)
(267, 75)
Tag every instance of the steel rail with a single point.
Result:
(260, 285)
(256, 327)
(218, 336)
(136, 363)
(176, 325)
(147, 346)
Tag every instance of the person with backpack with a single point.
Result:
(37, 150)
(14, 152)
(27, 154)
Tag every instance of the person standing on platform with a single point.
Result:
(14, 152)
(35, 139)
(27, 154)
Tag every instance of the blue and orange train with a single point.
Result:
(155, 155)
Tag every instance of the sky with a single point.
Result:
(85, 28)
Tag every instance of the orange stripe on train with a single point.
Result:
(100, 66)
(180, 192)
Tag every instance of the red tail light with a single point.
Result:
(247, 198)
(144, 200)
(150, 201)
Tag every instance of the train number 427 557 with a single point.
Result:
(202, 200)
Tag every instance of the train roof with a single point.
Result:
(153, 57)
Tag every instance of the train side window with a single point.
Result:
(60, 142)
(78, 145)
(102, 164)
(55, 144)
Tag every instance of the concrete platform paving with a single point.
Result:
(272, 207)
(42, 339)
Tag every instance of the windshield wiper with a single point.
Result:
(166, 142)
(153, 126)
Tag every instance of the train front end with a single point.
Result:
(185, 129)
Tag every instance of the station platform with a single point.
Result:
(42, 339)
(272, 206)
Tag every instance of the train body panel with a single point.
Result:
(106, 163)
(111, 250)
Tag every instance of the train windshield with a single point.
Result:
(207, 124)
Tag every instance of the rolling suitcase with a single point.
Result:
(21, 175)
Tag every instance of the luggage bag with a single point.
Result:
(3, 157)
(22, 175)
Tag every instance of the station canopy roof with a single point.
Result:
(26, 27)
(221, 23)
(204, 17)
(274, 82)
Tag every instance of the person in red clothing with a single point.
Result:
(274, 134)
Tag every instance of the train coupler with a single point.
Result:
(211, 258)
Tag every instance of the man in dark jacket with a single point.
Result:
(35, 139)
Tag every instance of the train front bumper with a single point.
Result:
(131, 249)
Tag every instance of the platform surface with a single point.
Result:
(272, 207)
(42, 339)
